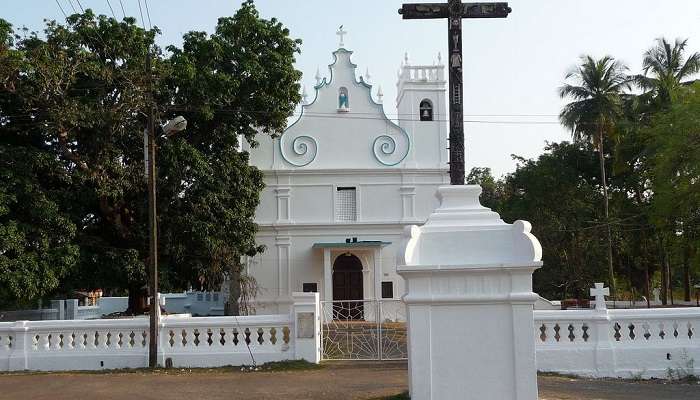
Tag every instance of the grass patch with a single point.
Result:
(289, 365)
(400, 396)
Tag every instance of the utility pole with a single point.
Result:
(153, 229)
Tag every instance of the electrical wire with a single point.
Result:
(142, 20)
(111, 9)
(104, 44)
(59, 6)
(328, 116)
(150, 26)
(72, 6)
(122, 5)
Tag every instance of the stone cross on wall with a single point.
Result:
(599, 292)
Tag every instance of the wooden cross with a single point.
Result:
(454, 11)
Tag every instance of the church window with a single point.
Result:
(426, 110)
(387, 290)
(310, 287)
(346, 204)
(343, 98)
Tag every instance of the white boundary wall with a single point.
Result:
(187, 341)
(634, 343)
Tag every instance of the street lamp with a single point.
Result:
(171, 127)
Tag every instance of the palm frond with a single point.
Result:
(596, 88)
(690, 67)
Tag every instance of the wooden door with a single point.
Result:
(348, 286)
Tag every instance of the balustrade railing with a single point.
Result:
(618, 343)
(420, 73)
(183, 341)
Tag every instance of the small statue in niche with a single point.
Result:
(343, 100)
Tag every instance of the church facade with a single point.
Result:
(342, 183)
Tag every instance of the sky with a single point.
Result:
(512, 67)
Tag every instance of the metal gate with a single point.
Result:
(363, 330)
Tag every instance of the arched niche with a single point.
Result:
(426, 110)
(343, 98)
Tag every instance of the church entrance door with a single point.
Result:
(347, 286)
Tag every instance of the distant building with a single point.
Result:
(342, 183)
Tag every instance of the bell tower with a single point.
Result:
(422, 110)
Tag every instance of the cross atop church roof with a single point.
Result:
(340, 34)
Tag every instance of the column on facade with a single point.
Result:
(367, 276)
(282, 195)
(284, 272)
(327, 275)
(408, 195)
(378, 273)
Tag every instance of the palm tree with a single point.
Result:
(597, 90)
(666, 69)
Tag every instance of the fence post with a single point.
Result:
(72, 309)
(604, 359)
(163, 333)
(59, 306)
(305, 322)
(20, 338)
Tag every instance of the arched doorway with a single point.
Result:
(347, 286)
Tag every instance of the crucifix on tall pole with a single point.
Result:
(454, 11)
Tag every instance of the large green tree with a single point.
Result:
(78, 97)
(558, 193)
(596, 107)
(232, 84)
(674, 138)
(37, 249)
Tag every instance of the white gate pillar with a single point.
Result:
(469, 302)
(306, 326)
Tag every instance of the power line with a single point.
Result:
(123, 12)
(80, 5)
(72, 6)
(107, 48)
(328, 115)
(59, 6)
(111, 9)
(142, 20)
(150, 26)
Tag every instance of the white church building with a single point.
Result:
(342, 183)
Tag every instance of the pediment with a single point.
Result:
(343, 127)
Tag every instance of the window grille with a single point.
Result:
(346, 204)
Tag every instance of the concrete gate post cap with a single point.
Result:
(463, 233)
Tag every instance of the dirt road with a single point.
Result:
(335, 382)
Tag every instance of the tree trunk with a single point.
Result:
(686, 270)
(137, 300)
(646, 287)
(664, 273)
(232, 306)
(611, 271)
(669, 281)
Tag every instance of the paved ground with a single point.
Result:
(335, 382)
